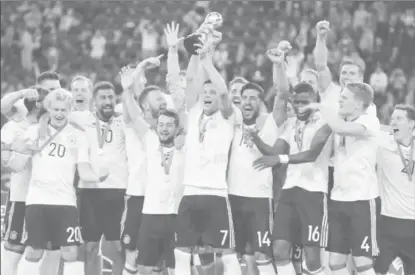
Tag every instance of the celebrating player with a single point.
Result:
(301, 217)
(12, 135)
(353, 209)
(250, 190)
(102, 204)
(81, 88)
(12, 105)
(51, 214)
(395, 167)
(204, 213)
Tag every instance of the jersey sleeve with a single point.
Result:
(371, 124)
(32, 133)
(270, 131)
(287, 130)
(7, 133)
(82, 145)
(18, 112)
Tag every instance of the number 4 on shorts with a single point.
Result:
(365, 245)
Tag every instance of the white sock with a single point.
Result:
(265, 267)
(342, 271)
(370, 271)
(10, 262)
(182, 262)
(319, 271)
(30, 268)
(287, 269)
(49, 265)
(231, 265)
(70, 268)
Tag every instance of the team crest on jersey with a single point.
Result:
(13, 235)
(126, 239)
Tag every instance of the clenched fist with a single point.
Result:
(323, 28)
(277, 55)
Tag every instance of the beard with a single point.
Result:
(167, 141)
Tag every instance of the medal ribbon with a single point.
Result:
(166, 159)
(408, 167)
(299, 134)
(103, 136)
(51, 137)
(202, 127)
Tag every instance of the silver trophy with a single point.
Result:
(212, 21)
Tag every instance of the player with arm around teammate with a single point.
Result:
(51, 213)
(13, 156)
(303, 202)
(395, 170)
(354, 199)
(250, 190)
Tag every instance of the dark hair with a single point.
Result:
(144, 94)
(253, 86)
(410, 111)
(47, 76)
(303, 88)
(171, 113)
(208, 82)
(103, 85)
(31, 104)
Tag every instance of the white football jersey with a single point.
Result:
(53, 169)
(397, 191)
(137, 169)
(112, 156)
(207, 151)
(163, 190)
(243, 179)
(19, 182)
(299, 135)
(355, 161)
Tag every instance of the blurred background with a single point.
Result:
(96, 39)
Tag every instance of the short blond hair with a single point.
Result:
(83, 78)
(356, 62)
(362, 92)
(311, 71)
(58, 95)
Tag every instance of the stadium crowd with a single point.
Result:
(272, 143)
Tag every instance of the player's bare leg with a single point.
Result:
(116, 257)
(11, 257)
(49, 265)
(338, 264)
(230, 262)
(70, 257)
(264, 264)
(130, 265)
(282, 257)
(93, 261)
(32, 256)
(250, 260)
(182, 256)
(364, 265)
(312, 255)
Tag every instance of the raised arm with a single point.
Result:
(321, 55)
(195, 78)
(132, 90)
(280, 81)
(174, 83)
(9, 107)
(225, 102)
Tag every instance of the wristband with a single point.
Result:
(284, 159)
